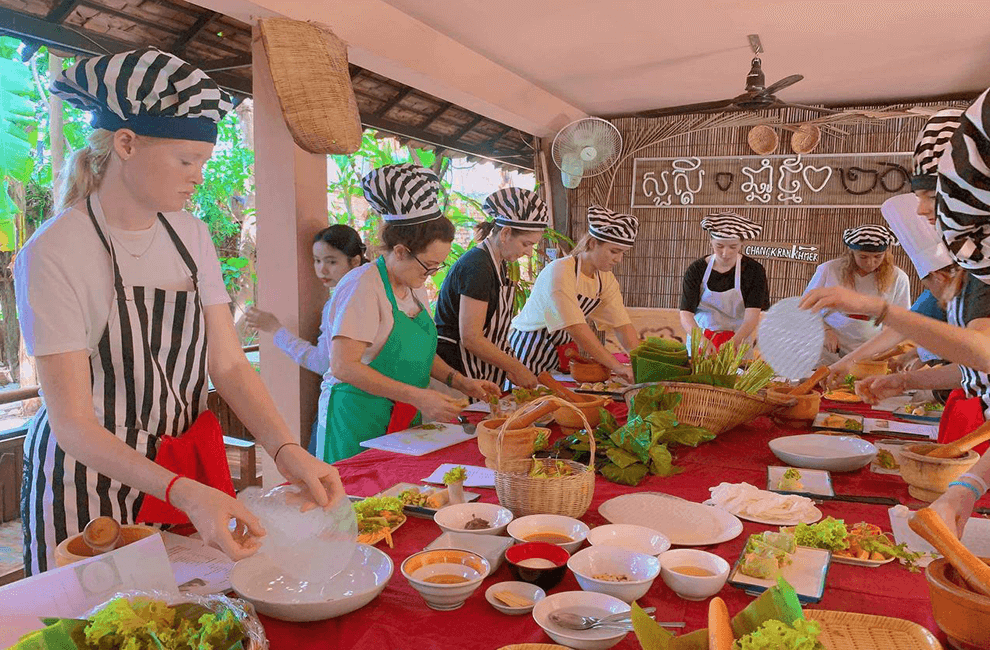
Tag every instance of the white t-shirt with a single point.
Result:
(360, 310)
(553, 300)
(64, 277)
(853, 332)
(309, 356)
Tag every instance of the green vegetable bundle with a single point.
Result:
(721, 367)
(657, 359)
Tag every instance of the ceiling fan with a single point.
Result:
(758, 95)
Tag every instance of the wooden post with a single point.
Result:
(291, 199)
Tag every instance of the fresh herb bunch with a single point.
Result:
(454, 475)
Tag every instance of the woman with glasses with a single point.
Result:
(474, 308)
(383, 340)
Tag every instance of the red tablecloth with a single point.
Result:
(399, 618)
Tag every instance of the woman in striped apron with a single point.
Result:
(122, 303)
(475, 305)
(575, 289)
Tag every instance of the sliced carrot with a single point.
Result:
(720, 635)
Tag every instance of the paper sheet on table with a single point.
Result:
(882, 426)
(192, 559)
(891, 404)
(481, 477)
(71, 591)
(478, 407)
(976, 537)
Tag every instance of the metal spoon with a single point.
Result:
(578, 622)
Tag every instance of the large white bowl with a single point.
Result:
(453, 518)
(522, 589)
(693, 587)
(818, 451)
(259, 579)
(577, 530)
(583, 603)
(631, 537)
(641, 569)
(445, 597)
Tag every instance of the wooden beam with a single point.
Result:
(229, 63)
(433, 118)
(137, 20)
(475, 121)
(58, 13)
(194, 30)
(491, 142)
(393, 101)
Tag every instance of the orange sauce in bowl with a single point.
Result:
(445, 579)
(689, 570)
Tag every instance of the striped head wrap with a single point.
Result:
(729, 225)
(517, 208)
(612, 227)
(869, 238)
(148, 91)
(403, 194)
(931, 143)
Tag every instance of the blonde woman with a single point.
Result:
(867, 267)
(118, 296)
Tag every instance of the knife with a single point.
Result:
(854, 498)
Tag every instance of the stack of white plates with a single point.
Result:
(684, 523)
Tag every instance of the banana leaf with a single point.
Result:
(636, 437)
(632, 475)
(662, 462)
(651, 399)
(621, 457)
(683, 434)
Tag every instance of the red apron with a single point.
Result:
(961, 415)
(198, 454)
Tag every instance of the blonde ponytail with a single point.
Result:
(83, 172)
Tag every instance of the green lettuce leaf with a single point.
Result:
(632, 475)
(829, 533)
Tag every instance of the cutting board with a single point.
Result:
(419, 441)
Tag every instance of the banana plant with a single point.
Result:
(18, 137)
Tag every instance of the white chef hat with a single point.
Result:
(920, 240)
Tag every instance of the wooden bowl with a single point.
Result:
(516, 443)
(73, 549)
(589, 372)
(864, 369)
(805, 408)
(961, 613)
(568, 419)
(927, 477)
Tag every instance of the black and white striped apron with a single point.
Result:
(149, 379)
(496, 330)
(537, 350)
(974, 383)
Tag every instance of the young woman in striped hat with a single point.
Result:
(725, 292)
(575, 289)
(119, 295)
(475, 305)
(868, 268)
(384, 341)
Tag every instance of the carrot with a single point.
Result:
(720, 635)
(933, 530)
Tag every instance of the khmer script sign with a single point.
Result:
(806, 253)
(778, 181)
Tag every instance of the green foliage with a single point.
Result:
(228, 178)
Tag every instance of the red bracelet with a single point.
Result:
(168, 490)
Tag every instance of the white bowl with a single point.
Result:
(818, 451)
(583, 603)
(631, 537)
(693, 587)
(258, 579)
(453, 518)
(418, 567)
(577, 530)
(523, 589)
(641, 569)
(491, 547)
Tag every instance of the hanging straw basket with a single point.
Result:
(309, 68)
(805, 139)
(712, 407)
(763, 139)
(526, 495)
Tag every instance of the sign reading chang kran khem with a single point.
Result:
(781, 251)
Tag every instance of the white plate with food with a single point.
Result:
(839, 422)
(855, 561)
(423, 501)
(819, 451)
(806, 572)
(930, 412)
(763, 507)
(804, 482)
(684, 523)
(888, 459)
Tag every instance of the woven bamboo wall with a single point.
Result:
(671, 238)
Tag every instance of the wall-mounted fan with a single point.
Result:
(585, 147)
(758, 95)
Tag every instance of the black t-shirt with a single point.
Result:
(474, 276)
(976, 300)
(753, 278)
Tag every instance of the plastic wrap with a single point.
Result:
(791, 339)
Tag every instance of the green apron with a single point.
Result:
(354, 415)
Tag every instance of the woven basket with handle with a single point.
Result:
(712, 407)
(527, 495)
(309, 68)
(849, 631)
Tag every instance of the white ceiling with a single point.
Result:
(614, 56)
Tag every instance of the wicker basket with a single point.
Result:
(763, 139)
(309, 68)
(848, 631)
(712, 407)
(525, 495)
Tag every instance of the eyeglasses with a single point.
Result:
(429, 271)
